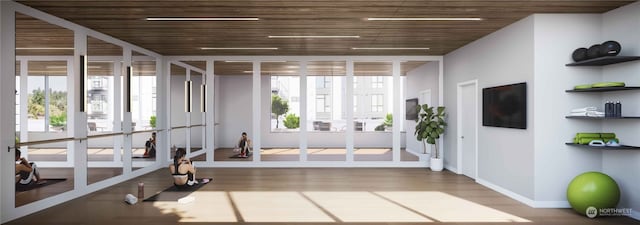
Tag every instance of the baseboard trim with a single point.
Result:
(523, 199)
(452, 169)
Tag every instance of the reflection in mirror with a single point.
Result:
(143, 149)
(373, 111)
(53, 180)
(178, 120)
(233, 108)
(326, 117)
(103, 114)
(143, 106)
(197, 72)
(43, 53)
(103, 159)
(283, 113)
(143, 91)
(414, 80)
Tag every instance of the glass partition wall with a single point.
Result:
(373, 111)
(281, 116)
(326, 110)
(197, 115)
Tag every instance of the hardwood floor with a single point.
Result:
(315, 154)
(311, 196)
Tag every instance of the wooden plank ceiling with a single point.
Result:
(126, 20)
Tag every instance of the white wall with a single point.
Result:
(556, 37)
(235, 112)
(424, 77)
(623, 25)
(503, 57)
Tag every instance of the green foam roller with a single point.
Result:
(588, 135)
(582, 86)
(608, 84)
(608, 135)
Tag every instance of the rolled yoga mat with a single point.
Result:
(588, 135)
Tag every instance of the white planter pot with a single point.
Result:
(436, 164)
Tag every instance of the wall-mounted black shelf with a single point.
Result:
(605, 89)
(605, 60)
(621, 147)
(602, 118)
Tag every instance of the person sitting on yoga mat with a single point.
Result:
(183, 171)
(26, 172)
(150, 147)
(244, 145)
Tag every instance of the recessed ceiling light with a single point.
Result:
(44, 48)
(271, 71)
(390, 48)
(314, 36)
(241, 61)
(202, 18)
(425, 19)
(206, 48)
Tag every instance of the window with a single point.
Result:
(285, 104)
(322, 104)
(323, 82)
(377, 82)
(377, 103)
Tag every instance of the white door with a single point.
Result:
(468, 100)
(425, 97)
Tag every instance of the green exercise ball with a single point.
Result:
(592, 189)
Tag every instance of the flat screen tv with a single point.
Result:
(505, 106)
(411, 109)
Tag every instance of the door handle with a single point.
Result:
(462, 137)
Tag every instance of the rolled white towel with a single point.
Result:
(588, 113)
(585, 109)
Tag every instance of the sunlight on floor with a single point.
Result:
(277, 207)
(280, 151)
(363, 207)
(372, 151)
(348, 206)
(207, 207)
(447, 208)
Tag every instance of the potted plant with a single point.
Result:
(430, 126)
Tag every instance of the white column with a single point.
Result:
(71, 108)
(441, 102)
(187, 132)
(126, 119)
(210, 114)
(256, 111)
(349, 110)
(7, 94)
(24, 99)
(167, 107)
(303, 111)
(396, 110)
(117, 108)
(78, 126)
(162, 99)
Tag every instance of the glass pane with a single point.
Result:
(284, 113)
(326, 117)
(414, 81)
(233, 103)
(373, 107)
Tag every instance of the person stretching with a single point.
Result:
(182, 169)
(26, 172)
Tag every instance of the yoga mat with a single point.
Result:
(142, 157)
(50, 181)
(174, 193)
